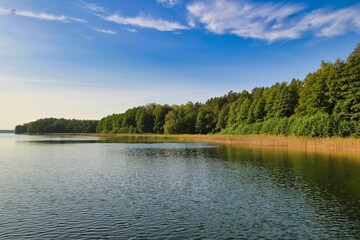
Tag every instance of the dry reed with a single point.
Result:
(298, 143)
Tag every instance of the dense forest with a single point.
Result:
(325, 104)
(53, 125)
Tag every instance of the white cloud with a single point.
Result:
(92, 7)
(332, 23)
(270, 21)
(140, 21)
(46, 16)
(146, 22)
(169, 3)
(106, 31)
(40, 16)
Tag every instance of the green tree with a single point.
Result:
(159, 120)
(235, 108)
(314, 97)
(129, 118)
(222, 118)
(144, 121)
(205, 122)
(171, 125)
(243, 111)
(283, 104)
(259, 109)
(348, 105)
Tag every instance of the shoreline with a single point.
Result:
(345, 145)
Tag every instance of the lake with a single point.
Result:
(92, 188)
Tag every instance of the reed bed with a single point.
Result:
(297, 143)
(346, 144)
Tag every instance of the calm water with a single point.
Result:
(88, 188)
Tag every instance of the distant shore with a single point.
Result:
(350, 145)
(7, 131)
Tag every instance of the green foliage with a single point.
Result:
(222, 119)
(54, 125)
(171, 124)
(159, 120)
(235, 109)
(205, 122)
(315, 96)
(268, 126)
(129, 118)
(243, 112)
(344, 128)
(282, 99)
(187, 117)
(282, 127)
(144, 120)
(348, 104)
(318, 125)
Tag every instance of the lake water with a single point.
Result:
(91, 188)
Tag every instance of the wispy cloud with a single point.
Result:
(146, 22)
(40, 15)
(271, 21)
(46, 16)
(140, 21)
(169, 3)
(331, 23)
(92, 7)
(242, 18)
(131, 30)
(106, 31)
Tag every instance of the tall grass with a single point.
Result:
(260, 140)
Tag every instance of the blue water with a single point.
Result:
(91, 188)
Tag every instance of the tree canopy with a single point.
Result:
(54, 125)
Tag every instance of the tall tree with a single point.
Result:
(349, 103)
(171, 123)
(206, 121)
(187, 117)
(244, 111)
(144, 121)
(314, 97)
(159, 120)
(235, 108)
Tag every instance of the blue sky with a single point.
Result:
(87, 59)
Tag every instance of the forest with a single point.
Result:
(53, 125)
(325, 104)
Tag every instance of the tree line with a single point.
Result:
(54, 125)
(325, 104)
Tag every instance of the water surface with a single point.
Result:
(92, 188)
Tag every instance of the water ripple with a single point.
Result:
(174, 191)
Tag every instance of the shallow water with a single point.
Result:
(92, 188)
